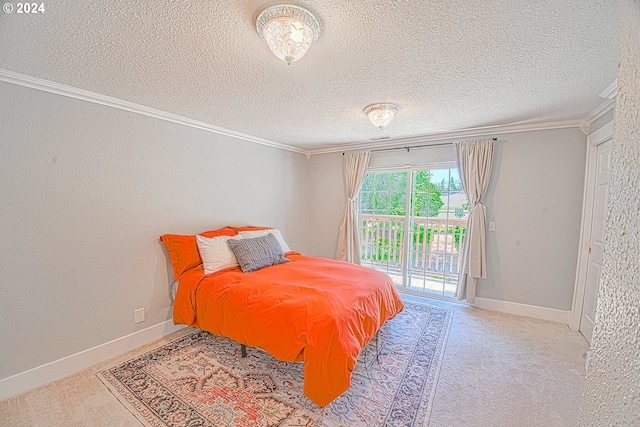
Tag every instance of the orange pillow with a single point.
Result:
(248, 228)
(219, 232)
(183, 249)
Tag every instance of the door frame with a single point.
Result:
(598, 137)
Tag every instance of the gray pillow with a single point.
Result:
(254, 254)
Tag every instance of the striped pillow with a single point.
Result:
(254, 254)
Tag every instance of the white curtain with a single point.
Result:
(474, 160)
(355, 168)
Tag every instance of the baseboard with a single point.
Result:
(41, 375)
(544, 313)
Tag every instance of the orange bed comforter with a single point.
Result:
(315, 310)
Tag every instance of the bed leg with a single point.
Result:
(243, 350)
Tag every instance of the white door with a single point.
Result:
(596, 243)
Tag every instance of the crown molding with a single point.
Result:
(450, 135)
(97, 98)
(609, 94)
(610, 91)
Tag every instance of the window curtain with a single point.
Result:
(474, 160)
(355, 167)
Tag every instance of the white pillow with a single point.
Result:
(261, 233)
(215, 253)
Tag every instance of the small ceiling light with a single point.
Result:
(288, 30)
(381, 114)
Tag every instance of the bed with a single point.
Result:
(317, 311)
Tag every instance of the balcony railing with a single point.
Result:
(435, 245)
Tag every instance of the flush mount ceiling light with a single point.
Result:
(288, 30)
(381, 114)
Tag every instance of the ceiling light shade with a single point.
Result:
(288, 30)
(381, 114)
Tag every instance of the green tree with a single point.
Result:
(428, 200)
(386, 193)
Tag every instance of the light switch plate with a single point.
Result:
(138, 315)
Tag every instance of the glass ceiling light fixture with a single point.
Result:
(381, 114)
(288, 30)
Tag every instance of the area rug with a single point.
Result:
(200, 379)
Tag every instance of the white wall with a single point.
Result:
(86, 190)
(612, 392)
(326, 203)
(535, 198)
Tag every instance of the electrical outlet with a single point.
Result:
(492, 226)
(138, 315)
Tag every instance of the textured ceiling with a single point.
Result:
(449, 65)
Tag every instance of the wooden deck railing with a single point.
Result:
(434, 243)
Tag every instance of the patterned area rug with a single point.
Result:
(201, 380)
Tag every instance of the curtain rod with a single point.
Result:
(414, 146)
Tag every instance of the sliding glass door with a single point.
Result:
(413, 224)
(383, 207)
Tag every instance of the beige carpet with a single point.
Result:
(498, 370)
